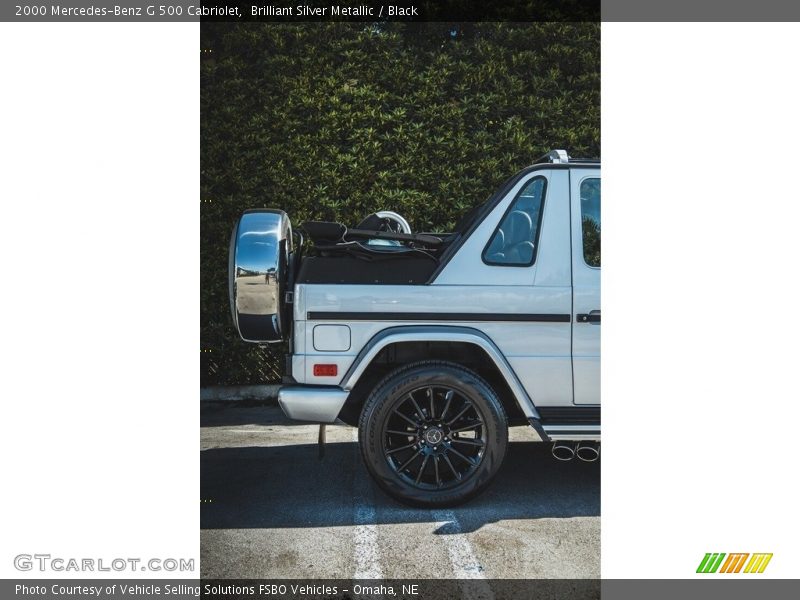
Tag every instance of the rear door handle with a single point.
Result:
(592, 317)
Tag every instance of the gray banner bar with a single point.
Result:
(699, 10)
(712, 586)
(743, 587)
(88, 11)
(460, 10)
(101, 589)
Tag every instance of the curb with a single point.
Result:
(239, 392)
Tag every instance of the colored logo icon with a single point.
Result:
(734, 563)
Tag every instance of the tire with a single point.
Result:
(433, 454)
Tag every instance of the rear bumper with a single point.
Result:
(319, 404)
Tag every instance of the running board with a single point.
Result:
(569, 432)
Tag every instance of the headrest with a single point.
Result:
(325, 231)
(518, 228)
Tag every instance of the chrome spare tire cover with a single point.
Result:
(257, 275)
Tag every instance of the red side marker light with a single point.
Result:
(326, 370)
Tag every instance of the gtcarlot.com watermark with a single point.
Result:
(46, 562)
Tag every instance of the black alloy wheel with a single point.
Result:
(433, 434)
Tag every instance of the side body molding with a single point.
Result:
(439, 333)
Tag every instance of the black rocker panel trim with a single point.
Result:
(569, 415)
(422, 316)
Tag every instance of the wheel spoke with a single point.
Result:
(422, 468)
(398, 432)
(399, 414)
(463, 410)
(452, 468)
(457, 453)
(420, 414)
(466, 441)
(409, 461)
(449, 398)
(398, 449)
(465, 428)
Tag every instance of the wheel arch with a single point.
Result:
(385, 352)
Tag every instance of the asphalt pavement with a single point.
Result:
(271, 508)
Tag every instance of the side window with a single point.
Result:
(515, 239)
(590, 221)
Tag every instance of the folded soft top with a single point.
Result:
(324, 233)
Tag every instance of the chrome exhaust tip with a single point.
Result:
(562, 451)
(588, 452)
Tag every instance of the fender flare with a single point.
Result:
(439, 333)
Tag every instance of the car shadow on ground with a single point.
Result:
(290, 486)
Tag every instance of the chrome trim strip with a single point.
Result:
(575, 437)
(574, 433)
(568, 427)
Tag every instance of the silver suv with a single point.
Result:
(434, 344)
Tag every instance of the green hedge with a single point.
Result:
(335, 121)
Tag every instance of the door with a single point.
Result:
(585, 209)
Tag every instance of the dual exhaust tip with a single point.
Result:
(585, 451)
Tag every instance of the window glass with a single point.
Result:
(514, 242)
(590, 220)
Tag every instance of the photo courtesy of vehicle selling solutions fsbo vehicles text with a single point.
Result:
(400, 301)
